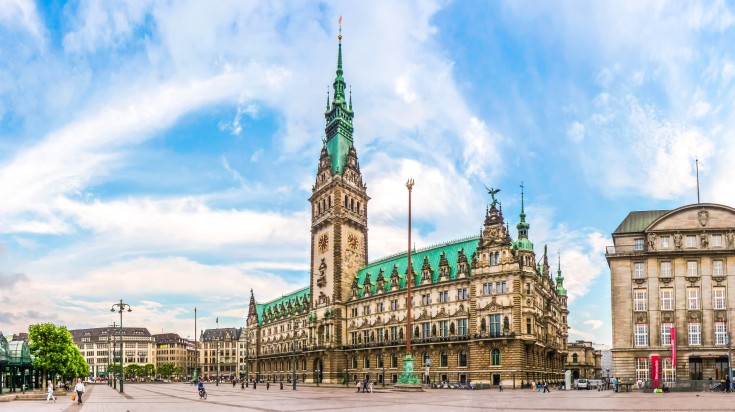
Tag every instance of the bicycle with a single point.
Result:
(202, 394)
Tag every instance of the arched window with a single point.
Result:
(575, 358)
(394, 361)
(492, 259)
(379, 361)
(354, 362)
(443, 360)
(425, 358)
(497, 258)
(462, 355)
(495, 357)
(367, 361)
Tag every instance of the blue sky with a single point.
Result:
(163, 152)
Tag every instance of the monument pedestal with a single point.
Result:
(408, 382)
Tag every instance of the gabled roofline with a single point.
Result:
(686, 207)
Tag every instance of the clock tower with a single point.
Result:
(338, 214)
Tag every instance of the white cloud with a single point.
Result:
(701, 109)
(21, 13)
(481, 150)
(575, 132)
(594, 323)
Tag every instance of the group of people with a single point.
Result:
(537, 386)
(78, 389)
(365, 384)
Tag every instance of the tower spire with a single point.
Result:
(522, 225)
(560, 279)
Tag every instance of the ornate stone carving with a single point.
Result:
(730, 239)
(641, 317)
(694, 315)
(667, 317)
(703, 217)
(677, 240)
(720, 316)
(651, 241)
(321, 279)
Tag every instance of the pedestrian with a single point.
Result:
(357, 383)
(616, 383)
(281, 385)
(500, 387)
(538, 386)
(364, 385)
(234, 382)
(79, 389)
(546, 387)
(268, 385)
(370, 387)
(533, 384)
(50, 389)
(242, 385)
(255, 382)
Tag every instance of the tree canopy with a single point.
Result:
(55, 352)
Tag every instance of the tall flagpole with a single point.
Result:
(696, 165)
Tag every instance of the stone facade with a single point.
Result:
(584, 360)
(484, 308)
(172, 348)
(96, 345)
(218, 353)
(670, 269)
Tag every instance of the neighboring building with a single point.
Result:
(670, 271)
(606, 363)
(584, 360)
(485, 308)
(95, 344)
(172, 348)
(225, 341)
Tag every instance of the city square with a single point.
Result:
(183, 398)
(513, 197)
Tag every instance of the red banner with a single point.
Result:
(673, 347)
(656, 371)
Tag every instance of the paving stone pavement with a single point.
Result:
(177, 397)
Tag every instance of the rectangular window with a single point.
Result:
(426, 299)
(487, 288)
(462, 327)
(692, 268)
(444, 296)
(718, 298)
(426, 330)
(354, 337)
(693, 298)
(643, 369)
(691, 241)
(502, 288)
(443, 328)
(720, 333)
(638, 244)
(666, 333)
(528, 288)
(717, 268)
(640, 299)
(665, 269)
(667, 299)
(366, 336)
(462, 294)
(394, 304)
(665, 242)
(394, 333)
(379, 307)
(366, 310)
(716, 240)
(667, 370)
(641, 334)
(495, 325)
(695, 334)
(638, 270)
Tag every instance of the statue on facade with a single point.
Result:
(492, 192)
(651, 241)
(677, 240)
(730, 239)
(703, 240)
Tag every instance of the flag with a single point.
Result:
(340, 20)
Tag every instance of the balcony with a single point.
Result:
(630, 250)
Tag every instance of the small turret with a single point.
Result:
(523, 243)
(560, 280)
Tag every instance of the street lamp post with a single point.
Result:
(121, 306)
(293, 343)
(218, 339)
(409, 272)
(247, 358)
(383, 377)
(110, 349)
(514, 377)
(608, 379)
(317, 372)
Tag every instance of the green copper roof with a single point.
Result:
(639, 221)
(560, 281)
(339, 116)
(279, 308)
(523, 244)
(450, 249)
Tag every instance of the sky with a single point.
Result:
(163, 152)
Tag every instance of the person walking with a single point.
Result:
(546, 387)
(357, 384)
(50, 390)
(364, 385)
(500, 387)
(370, 387)
(79, 389)
(268, 384)
(533, 383)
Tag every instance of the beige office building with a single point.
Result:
(670, 270)
(584, 361)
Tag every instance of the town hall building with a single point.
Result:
(485, 309)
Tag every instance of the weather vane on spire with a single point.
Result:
(340, 29)
(492, 192)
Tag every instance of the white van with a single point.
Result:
(583, 384)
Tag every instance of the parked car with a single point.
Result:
(583, 384)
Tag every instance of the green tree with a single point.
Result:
(54, 351)
(132, 370)
(149, 369)
(166, 370)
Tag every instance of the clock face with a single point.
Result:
(352, 241)
(323, 243)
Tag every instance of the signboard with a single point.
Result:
(673, 347)
(656, 371)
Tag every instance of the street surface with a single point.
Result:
(178, 397)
